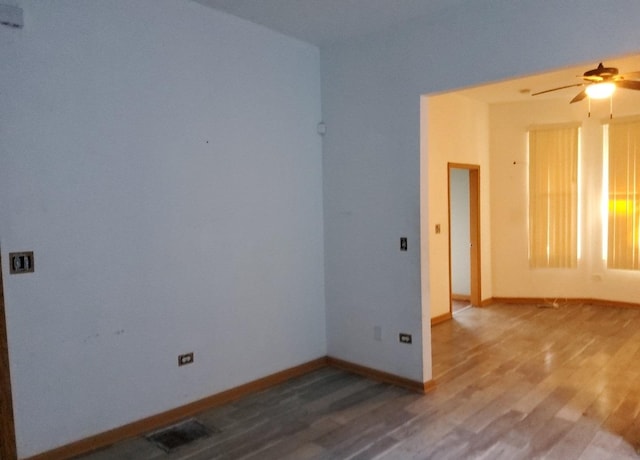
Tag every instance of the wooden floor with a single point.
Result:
(514, 382)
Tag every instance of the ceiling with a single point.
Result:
(515, 89)
(323, 22)
(326, 22)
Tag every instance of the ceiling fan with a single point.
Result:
(600, 83)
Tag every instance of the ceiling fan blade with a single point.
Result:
(631, 75)
(580, 96)
(628, 84)
(556, 89)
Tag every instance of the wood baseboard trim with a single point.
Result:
(564, 300)
(612, 303)
(518, 300)
(157, 421)
(381, 376)
(154, 422)
(487, 302)
(429, 386)
(441, 318)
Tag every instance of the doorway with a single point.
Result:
(7, 429)
(464, 236)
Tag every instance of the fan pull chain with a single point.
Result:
(589, 101)
(611, 107)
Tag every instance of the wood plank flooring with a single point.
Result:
(514, 382)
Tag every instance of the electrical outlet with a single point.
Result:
(403, 243)
(405, 338)
(21, 262)
(185, 359)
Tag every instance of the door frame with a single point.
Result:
(474, 231)
(8, 450)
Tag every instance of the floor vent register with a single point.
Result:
(170, 438)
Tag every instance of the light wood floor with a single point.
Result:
(514, 382)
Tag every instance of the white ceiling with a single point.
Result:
(326, 22)
(322, 22)
(510, 90)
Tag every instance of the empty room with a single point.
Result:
(226, 229)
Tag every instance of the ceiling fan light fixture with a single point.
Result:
(600, 90)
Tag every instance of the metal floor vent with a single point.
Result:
(170, 438)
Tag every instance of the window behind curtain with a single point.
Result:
(553, 196)
(623, 245)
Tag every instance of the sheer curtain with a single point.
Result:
(553, 196)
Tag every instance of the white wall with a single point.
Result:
(460, 232)
(371, 104)
(162, 161)
(511, 273)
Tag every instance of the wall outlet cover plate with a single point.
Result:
(21, 262)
